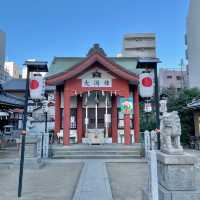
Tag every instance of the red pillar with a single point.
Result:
(57, 110)
(66, 135)
(114, 119)
(136, 114)
(127, 129)
(79, 119)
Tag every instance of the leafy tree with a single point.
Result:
(177, 101)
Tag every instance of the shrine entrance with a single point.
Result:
(97, 116)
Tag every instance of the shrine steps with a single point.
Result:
(115, 151)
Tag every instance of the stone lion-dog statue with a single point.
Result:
(170, 129)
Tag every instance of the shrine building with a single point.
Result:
(90, 92)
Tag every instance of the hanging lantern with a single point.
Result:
(147, 107)
(146, 84)
(37, 86)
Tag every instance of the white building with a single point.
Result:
(4, 75)
(172, 78)
(2, 48)
(193, 43)
(139, 45)
(12, 68)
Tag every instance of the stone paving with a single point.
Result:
(80, 180)
(93, 183)
(127, 180)
(53, 182)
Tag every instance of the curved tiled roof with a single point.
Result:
(10, 99)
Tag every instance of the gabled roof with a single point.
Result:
(63, 68)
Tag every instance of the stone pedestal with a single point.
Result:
(31, 158)
(176, 177)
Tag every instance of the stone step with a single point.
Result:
(95, 148)
(97, 156)
(96, 152)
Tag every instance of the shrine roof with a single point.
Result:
(64, 64)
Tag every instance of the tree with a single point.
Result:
(178, 102)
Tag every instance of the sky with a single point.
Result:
(43, 29)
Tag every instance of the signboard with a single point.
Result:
(95, 82)
(126, 105)
(146, 84)
(37, 86)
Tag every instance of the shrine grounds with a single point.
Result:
(58, 180)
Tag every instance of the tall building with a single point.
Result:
(2, 48)
(12, 68)
(4, 76)
(192, 40)
(172, 78)
(139, 45)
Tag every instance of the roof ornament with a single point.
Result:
(96, 48)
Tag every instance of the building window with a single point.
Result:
(178, 89)
(178, 78)
(169, 77)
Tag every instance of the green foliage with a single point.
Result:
(178, 102)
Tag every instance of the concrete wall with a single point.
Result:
(193, 43)
(139, 45)
(172, 78)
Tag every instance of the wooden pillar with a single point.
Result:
(127, 129)
(57, 111)
(114, 120)
(136, 114)
(79, 119)
(66, 127)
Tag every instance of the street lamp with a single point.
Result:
(32, 66)
(151, 64)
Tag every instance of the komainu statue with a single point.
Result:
(170, 129)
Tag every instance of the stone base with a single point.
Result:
(145, 195)
(176, 172)
(31, 163)
(173, 151)
(177, 195)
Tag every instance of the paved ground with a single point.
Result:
(127, 180)
(93, 183)
(99, 180)
(53, 182)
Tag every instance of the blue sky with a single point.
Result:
(43, 29)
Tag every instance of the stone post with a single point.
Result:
(31, 157)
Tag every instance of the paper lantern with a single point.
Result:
(146, 84)
(37, 87)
